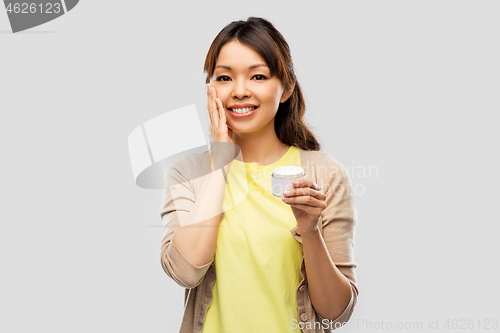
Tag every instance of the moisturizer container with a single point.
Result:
(283, 176)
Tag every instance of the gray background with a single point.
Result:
(410, 87)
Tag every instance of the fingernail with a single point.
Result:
(286, 192)
(295, 182)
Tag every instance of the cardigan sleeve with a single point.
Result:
(339, 220)
(178, 201)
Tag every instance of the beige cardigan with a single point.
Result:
(337, 227)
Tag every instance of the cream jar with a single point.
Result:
(283, 176)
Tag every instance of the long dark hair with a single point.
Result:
(260, 35)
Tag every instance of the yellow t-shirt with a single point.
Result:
(257, 259)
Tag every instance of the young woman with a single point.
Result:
(259, 263)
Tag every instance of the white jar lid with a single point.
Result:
(288, 172)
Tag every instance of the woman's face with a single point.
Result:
(242, 79)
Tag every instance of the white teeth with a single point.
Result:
(243, 110)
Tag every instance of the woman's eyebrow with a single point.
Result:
(251, 67)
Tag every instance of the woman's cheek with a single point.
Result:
(271, 93)
(222, 90)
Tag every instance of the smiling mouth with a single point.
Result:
(243, 110)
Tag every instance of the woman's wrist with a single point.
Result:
(310, 233)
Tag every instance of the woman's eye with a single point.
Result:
(223, 78)
(259, 77)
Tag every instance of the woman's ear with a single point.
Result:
(286, 95)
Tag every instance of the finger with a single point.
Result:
(305, 191)
(209, 109)
(214, 106)
(307, 200)
(210, 106)
(214, 92)
(220, 109)
(308, 209)
(304, 182)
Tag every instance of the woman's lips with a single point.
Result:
(242, 115)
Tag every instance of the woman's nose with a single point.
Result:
(240, 90)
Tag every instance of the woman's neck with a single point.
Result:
(260, 149)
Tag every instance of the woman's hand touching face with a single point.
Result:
(220, 132)
(224, 150)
